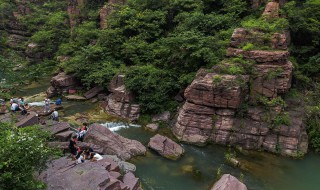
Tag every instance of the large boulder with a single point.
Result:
(63, 80)
(103, 174)
(60, 83)
(166, 147)
(112, 143)
(228, 182)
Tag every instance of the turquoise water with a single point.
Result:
(197, 169)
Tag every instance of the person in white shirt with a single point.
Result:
(14, 107)
(55, 115)
(95, 156)
(47, 105)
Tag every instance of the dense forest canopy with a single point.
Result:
(158, 44)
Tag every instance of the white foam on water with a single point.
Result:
(38, 104)
(113, 126)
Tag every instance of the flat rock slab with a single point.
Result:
(228, 182)
(82, 145)
(64, 136)
(65, 174)
(75, 98)
(166, 147)
(29, 120)
(93, 92)
(56, 127)
(112, 143)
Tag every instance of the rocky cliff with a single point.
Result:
(238, 101)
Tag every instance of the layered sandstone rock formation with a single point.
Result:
(103, 174)
(121, 101)
(215, 101)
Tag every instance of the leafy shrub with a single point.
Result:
(266, 25)
(23, 152)
(248, 46)
(152, 86)
(281, 119)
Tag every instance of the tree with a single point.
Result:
(23, 152)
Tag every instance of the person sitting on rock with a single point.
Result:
(27, 107)
(87, 153)
(58, 101)
(21, 102)
(55, 115)
(80, 157)
(73, 147)
(14, 107)
(95, 156)
(23, 110)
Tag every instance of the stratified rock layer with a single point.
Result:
(214, 98)
(120, 101)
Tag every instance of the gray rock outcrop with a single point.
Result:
(112, 143)
(228, 182)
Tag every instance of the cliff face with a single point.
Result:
(215, 101)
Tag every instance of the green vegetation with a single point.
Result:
(159, 45)
(281, 119)
(268, 25)
(273, 102)
(248, 46)
(23, 152)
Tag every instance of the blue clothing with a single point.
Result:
(58, 102)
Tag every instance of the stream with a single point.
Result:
(199, 167)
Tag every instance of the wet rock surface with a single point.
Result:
(166, 147)
(228, 182)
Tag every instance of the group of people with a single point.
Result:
(81, 155)
(19, 104)
(55, 115)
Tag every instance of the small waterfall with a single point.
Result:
(114, 126)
